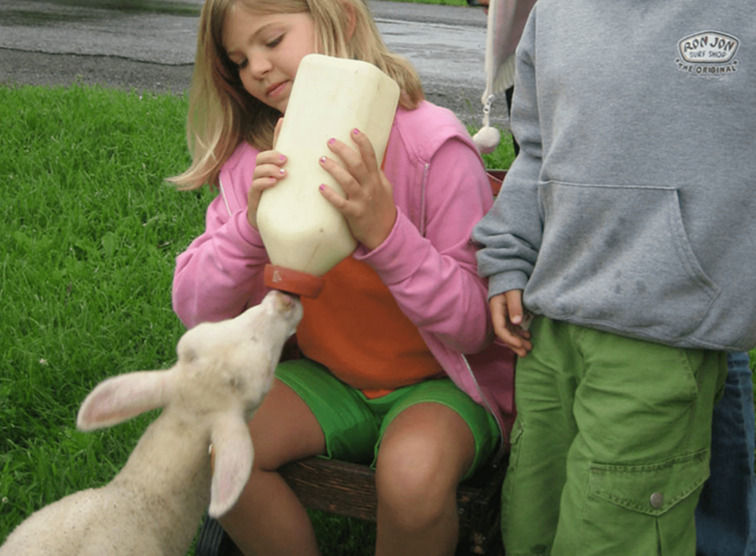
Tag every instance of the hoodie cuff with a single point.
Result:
(506, 281)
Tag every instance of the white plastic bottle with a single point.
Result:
(305, 236)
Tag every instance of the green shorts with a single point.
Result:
(353, 424)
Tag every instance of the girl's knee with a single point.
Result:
(415, 481)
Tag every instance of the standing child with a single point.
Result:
(726, 512)
(630, 239)
(385, 377)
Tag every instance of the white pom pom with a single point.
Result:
(487, 139)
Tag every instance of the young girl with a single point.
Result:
(398, 365)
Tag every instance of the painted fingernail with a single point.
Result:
(281, 171)
(321, 187)
(282, 158)
(356, 131)
(331, 141)
(322, 159)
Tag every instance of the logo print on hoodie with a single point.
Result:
(708, 54)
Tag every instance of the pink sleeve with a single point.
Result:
(220, 273)
(434, 277)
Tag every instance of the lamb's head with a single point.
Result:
(232, 362)
(233, 359)
(223, 372)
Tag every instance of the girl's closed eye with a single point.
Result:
(275, 41)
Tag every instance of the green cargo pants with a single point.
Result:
(611, 444)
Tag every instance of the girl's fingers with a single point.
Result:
(360, 162)
(365, 148)
(269, 164)
(368, 201)
(269, 171)
(342, 176)
(368, 207)
(333, 197)
(269, 168)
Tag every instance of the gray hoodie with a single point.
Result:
(632, 205)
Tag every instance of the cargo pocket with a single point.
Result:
(644, 509)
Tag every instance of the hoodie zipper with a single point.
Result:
(223, 194)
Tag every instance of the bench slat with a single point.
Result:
(333, 486)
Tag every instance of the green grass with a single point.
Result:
(90, 234)
(89, 239)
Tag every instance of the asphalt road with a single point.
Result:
(149, 45)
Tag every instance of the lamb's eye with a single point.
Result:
(190, 356)
(236, 383)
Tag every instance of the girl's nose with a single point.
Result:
(259, 66)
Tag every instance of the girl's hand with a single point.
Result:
(368, 201)
(268, 170)
(508, 321)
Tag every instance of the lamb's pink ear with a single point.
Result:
(122, 397)
(234, 455)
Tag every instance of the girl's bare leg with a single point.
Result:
(268, 519)
(425, 452)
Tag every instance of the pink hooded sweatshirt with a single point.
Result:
(428, 261)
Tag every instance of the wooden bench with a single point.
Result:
(348, 489)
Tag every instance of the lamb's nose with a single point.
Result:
(284, 301)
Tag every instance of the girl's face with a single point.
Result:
(267, 50)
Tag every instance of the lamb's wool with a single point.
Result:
(153, 506)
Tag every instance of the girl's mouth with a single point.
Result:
(276, 89)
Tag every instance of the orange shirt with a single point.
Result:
(356, 329)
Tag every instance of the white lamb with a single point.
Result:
(153, 506)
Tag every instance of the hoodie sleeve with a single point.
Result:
(433, 275)
(221, 272)
(510, 234)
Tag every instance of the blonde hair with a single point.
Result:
(222, 113)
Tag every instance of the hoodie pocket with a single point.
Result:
(619, 256)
